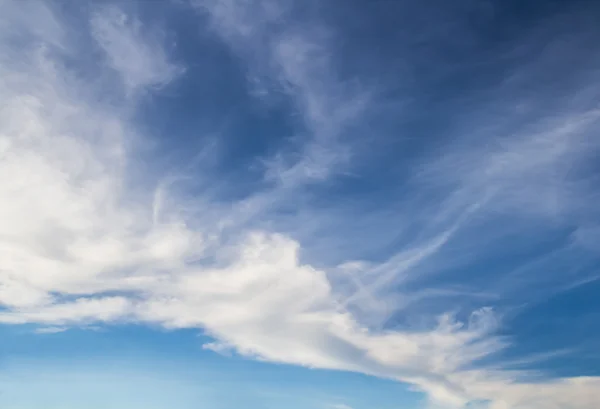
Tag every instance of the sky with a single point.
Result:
(309, 204)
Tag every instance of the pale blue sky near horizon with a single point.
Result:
(137, 367)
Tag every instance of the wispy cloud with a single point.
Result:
(295, 59)
(135, 52)
(50, 330)
(80, 245)
(338, 406)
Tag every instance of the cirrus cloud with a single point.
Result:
(79, 244)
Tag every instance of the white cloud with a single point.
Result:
(77, 246)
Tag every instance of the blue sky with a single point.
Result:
(334, 204)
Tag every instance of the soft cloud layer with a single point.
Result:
(132, 50)
(81, 243)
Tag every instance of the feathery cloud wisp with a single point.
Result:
(137, 56)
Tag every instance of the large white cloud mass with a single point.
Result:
(81, 243)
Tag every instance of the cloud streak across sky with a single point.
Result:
(392, 229)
